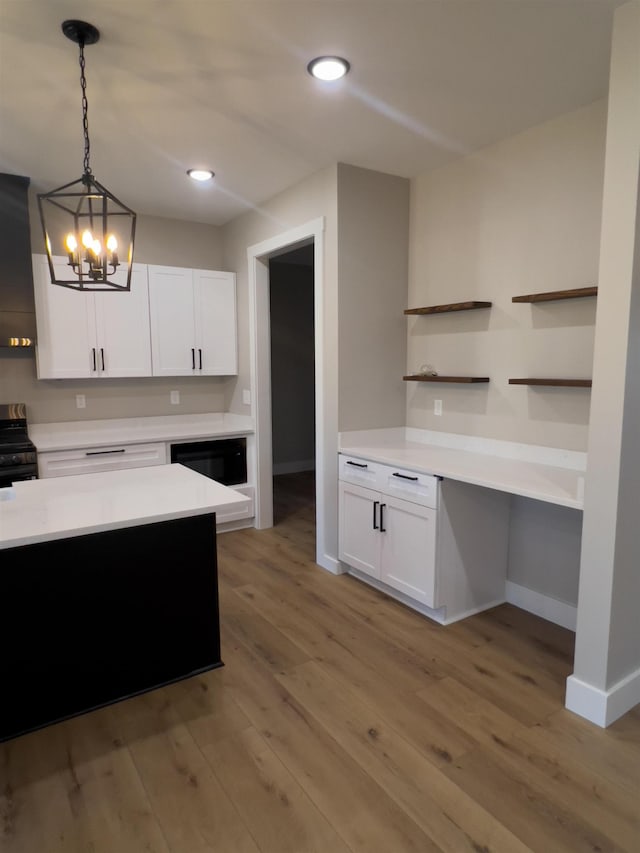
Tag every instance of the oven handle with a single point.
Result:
(103, 452)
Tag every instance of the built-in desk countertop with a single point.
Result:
(545, 474)
(45, 510)
(70, 435)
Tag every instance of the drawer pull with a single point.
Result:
(375, 506)
(404, 476)
(103, 452)
(383, 529)
(358, 464)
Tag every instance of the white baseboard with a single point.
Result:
(558, 612)
(603, 707)
(294, 467)
(330, 564)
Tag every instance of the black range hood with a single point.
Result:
(17, 307)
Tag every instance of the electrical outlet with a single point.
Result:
(437, 407)
(175, 398)
(81, 401)
(246, 397)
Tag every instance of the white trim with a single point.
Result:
(259, 334)
(603, 707)
(294, 467)
(558, 612)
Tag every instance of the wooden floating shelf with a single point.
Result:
(562, 383)
(554, 295)
(419, 377)
(444, 309)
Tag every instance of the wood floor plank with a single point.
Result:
(361, 812)
(605, 752)
(518, 800)
(440, 740)
(453, 820)
(280, 816)
(195, 813)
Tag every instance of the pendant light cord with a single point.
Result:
(85, 108)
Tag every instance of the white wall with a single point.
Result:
(521, 216)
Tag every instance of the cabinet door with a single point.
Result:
(65, 321)
(171, 306)
(123, 328)
(359, 536)
(408, 548)
(215, 322)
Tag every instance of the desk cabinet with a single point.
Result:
(440, 546)
(91, 335)
(389, 539)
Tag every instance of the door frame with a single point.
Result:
(258, 257)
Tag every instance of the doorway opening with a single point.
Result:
(292, 351)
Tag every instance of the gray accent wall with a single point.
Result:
(373, 252)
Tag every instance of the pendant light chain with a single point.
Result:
(85, 108)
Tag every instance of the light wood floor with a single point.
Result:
(341, 721)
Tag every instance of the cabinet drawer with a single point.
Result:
(90, 460)
(359, 471)
(409, 485)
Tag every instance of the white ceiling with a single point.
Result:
(223, 83)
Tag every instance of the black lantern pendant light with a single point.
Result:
(83, 220)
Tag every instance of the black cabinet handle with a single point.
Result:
(93, 357)
(358, 464)
(200, 353)
(103, 452)
(102, 356)
(404, 476)
(193, 359)
(383, 529)
(375, 506)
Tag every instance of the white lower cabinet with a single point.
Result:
(439, 546)
(389, 539)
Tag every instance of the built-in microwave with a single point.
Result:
(223, 459)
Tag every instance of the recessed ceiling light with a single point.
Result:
(328, 67)
(200, 174)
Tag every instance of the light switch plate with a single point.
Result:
(437, 407)
(246, 397)
(175, 398)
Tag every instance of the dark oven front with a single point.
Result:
(224, 459)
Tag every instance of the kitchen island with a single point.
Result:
(109, 589)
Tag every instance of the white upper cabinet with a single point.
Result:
(193, 322)
(91, 334)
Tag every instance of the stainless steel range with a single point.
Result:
(18, 458)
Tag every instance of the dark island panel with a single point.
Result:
(94, 619)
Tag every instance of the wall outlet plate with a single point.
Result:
(437, 407)
(174, 396)
(246, 397)
(81, 401)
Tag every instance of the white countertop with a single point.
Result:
(545, 482)
(70, 435)
(61, 507)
